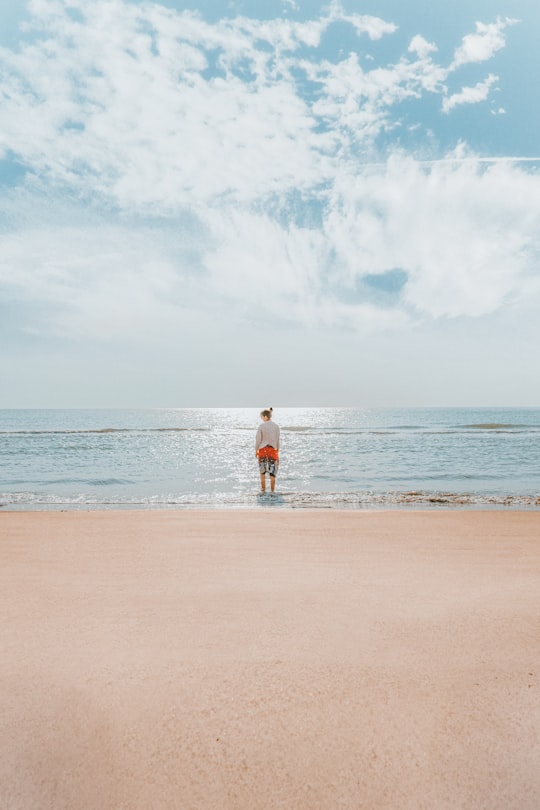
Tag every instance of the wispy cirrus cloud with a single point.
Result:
(464, 235)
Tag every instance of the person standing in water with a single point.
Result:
(267, 449)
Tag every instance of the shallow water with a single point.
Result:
(330, 457)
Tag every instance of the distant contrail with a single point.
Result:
(483, 160)
(436, 161)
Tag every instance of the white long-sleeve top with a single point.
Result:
(268, 433)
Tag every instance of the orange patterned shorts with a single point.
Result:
(268, 460)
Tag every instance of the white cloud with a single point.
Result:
(122, 103)
(374, 27)
(483, 44)
(465, 234)
(470, 95)
(421, 46)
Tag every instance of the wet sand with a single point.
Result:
(270, 659)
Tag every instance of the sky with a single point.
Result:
(286, 203)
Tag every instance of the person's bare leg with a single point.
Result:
(263, 482)
(272, 483)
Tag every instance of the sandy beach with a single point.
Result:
(270, 659)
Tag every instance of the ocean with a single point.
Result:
(330, 458)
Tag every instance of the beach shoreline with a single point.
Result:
(267, 658)
(289, 501)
